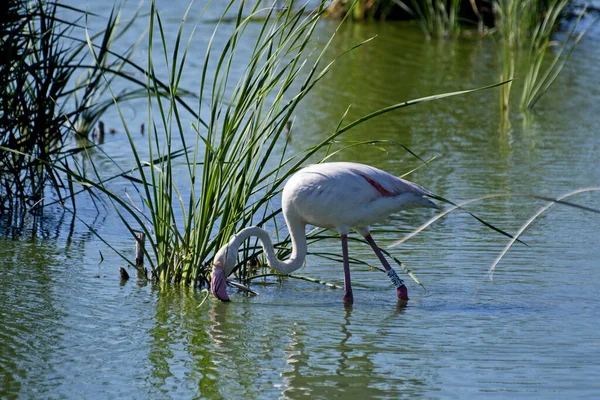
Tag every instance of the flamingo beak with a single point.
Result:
(218, 284)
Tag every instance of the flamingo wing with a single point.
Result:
(343, 194)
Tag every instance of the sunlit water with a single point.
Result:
(68, 329)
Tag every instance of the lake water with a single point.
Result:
(69, 329)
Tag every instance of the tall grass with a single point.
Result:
(47, 87)
(238, 160)
(437, 18)
(526, 29)
(229, 181)
(538, 80)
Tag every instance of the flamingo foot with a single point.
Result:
(402, 292)
(348, 297)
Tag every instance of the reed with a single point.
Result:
(508, 26)
(462, 206)
(538, 79)
(47, 87)
(436, 18)
(526, 31)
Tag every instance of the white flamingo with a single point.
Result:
(340, 196)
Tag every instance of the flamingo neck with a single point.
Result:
(299, 247)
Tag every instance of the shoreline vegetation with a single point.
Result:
(525, 31)
(52, 92)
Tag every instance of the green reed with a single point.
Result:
(551, 201)
(539, 77)
(526, 31)
(436, 18)
(47, 89)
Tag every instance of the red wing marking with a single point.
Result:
(380, 189)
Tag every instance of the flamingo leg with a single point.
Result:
(401, 289)
(348, 297)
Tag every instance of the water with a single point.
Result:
(68, 329)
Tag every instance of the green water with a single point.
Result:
(69, 329)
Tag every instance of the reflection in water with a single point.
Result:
(298, 361)
(161, 354)
(343, 347)
(217, 314)
(312, 372)
(254, 350)
(354, 363)
(345, 362)
(189, 348)
(32, 317)
(207, 337)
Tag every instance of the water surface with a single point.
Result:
(69, 329)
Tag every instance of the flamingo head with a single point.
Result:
(222, 266)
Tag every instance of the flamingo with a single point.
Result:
(336, 195)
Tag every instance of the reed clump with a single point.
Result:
(525, 31)
(48, 90)
(436, 18)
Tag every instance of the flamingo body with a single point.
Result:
(346, 195)
(341, 196)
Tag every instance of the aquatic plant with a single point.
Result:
(508, 28)
(47, 87)
(526, 29)
(537, 80)
(439, 18)
(229, 165)
(360, 9)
